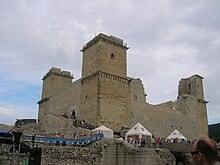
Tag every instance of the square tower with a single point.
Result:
(104, 53)
(105, 89)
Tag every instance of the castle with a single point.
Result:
(105, 95)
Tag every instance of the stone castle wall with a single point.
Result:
(63, 101)
(89, 99)
(114, 93)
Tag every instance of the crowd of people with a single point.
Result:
(155, 141)
(137, 141)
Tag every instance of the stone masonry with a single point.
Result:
(105, 152)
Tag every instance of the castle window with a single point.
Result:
(171, 126)
(112, 56)
(86, 96)
(135, 97)
(181, 127)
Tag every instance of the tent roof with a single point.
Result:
(138, 129)
(176, 134)
(102, 127)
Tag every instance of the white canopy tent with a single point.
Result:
(176, 135)
(108, 133)
(138, 130)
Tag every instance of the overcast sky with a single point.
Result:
(168, 40)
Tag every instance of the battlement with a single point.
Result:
(59, 72)
(110, 39)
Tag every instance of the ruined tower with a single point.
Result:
(104, 84)
(53, 81)
(191, 93)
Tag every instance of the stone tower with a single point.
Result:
(53, 81)
(105, 97)
(191, 91)
(106, 54)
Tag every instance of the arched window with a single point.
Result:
(112, 56)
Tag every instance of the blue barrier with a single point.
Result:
(57, 140)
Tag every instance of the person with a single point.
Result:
(73, 115)
(204, 152)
